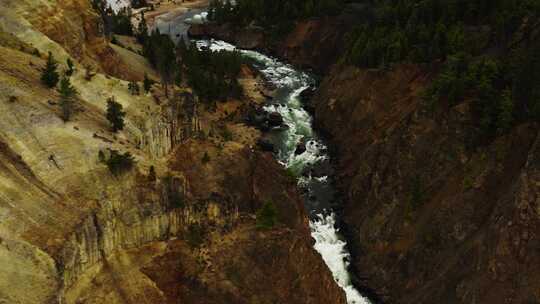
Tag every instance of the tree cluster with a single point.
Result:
(119, 163)
(212, 75)
(276, 15)
(114, 22)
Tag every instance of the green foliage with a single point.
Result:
(160, 51)
(142, 30)
(226, 134)
(36, 53)
(152, 174)
(70, 67)
(423, 31)
(115, 22)
(267, 216)
(67, 98)
(115, 114)
(484, 81)
(101, 156)
(195, 236)
(206, 158)
(138, 3)
(212, 75)
(147, 83)
(119, 163)
(276, 16)
(134, 88)
(50, 76)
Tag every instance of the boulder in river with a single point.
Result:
(266, 144)
(300, 148)
(275, 119)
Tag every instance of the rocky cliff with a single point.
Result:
(71, 232)
(432, 216)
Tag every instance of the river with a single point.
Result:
(312, 169)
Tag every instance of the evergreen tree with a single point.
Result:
(70, 66)
(67, 96)
(119, 163)
(115, 114)
(152, 174)
(147, 83)
(133, 88)
(142, 30)
(50, 76)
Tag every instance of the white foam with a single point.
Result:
(116, 5)
(327, 238)
(333, 251)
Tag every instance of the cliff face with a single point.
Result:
(431, 219)
(71, 232)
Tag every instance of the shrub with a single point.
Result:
(119, 163)
(267, 216)
(206, 158)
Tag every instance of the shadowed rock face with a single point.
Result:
(430, 219)
(71, 232)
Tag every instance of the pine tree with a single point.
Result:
(133, 88)
(152, 174)
(50, 76)
(115, 114)
(70, 66)
(142, 30)
(147, 83)
(67, 96)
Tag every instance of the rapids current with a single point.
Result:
(310, 167)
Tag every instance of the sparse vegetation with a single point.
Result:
(267, 216)
(50, 76)
(152, 174)
(226, 134)
(70, 67)
(195, 236)
(67, 98)
(134, 88)
(206, 158)
(147, 83)
(119, 163)
(115, 114)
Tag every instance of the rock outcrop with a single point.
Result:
(432, 215)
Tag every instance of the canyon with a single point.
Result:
(430, 216)
(71, 232)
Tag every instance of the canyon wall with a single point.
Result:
(72, 232)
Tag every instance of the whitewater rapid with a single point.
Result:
(289, 83)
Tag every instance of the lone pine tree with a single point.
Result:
(115, 114)
(67, 96)
(50, 76)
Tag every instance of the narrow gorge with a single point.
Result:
(284, 151)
